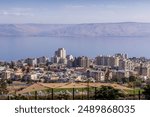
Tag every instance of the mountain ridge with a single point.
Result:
(120, 29)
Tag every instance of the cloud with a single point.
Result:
(6, 13)
(16, 12)
(75, 6)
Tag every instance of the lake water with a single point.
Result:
(14, 48)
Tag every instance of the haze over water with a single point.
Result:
(14, 48)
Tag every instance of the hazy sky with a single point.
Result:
(74, 11)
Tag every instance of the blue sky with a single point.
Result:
(74, 11)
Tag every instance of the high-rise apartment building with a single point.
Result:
(61, 52)
(105, 61)
(81, 62)
(60, 56)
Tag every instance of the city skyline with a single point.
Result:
(74, 12)
(62, 53)
(68, 72)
